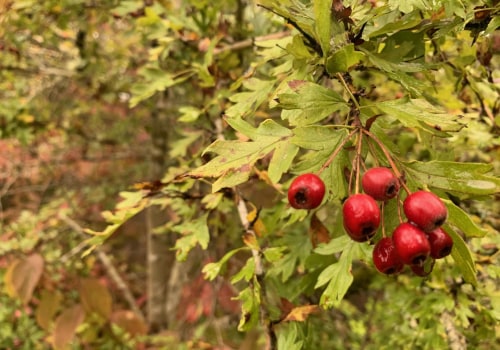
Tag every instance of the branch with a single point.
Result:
(110, 269)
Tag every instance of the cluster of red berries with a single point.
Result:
(416, 242)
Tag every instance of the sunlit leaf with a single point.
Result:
(462, 256)
(301, 313)
(193, 232)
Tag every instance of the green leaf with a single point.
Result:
(194, 232)
(250, 303)
(212, 270)
(313, 102)
(247, 102)
(246, 272)
(288, 337)
(322, 14)
(335, 245)
(421, 114)
(461, 220)
(460, 179)
(462, 256)
(339, 278)
(273, 254)
(343, 59)
(236, 158)
(282, 159)
(317, 137)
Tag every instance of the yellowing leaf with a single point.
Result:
(22, 277)
(47, 308)
(301, 313)
(95, 297)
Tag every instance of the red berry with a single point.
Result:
(425, 209)
(306, 191)
(385, 257)
(423, 269)
(411, 244)
(441, 243)
(361, 217)
(380, 183)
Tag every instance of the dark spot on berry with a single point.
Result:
(439, 221)
(368, 231)
(444, 252)
(418, 260)
(391, 190)
(390, 271)
(301, 197)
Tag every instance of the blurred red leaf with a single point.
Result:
(130, 322)
(66, 325)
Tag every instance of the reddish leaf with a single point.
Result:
(318, 232)
(301, 313)
(130, 322)
(66, 325)
(22, 277)
(95, 297)
(47, 308)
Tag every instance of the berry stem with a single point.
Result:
(389, 159)
(382, 219)
(358, 160)
(335, 152)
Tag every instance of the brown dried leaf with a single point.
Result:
(318, 232)
(129, 322)
(301, 313)
(46, 310)
(66, 325)
(23, 276)
(95, 297)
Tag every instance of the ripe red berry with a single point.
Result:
(306, 191)
(425, 209)
(361, 217)
(441, 243)
(423, 269)
(411, 244)
(385, 257)
(380, 183)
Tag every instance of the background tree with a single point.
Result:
(199, 115)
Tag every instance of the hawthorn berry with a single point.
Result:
(423, 269)
(361, 216)
(380, 183)
(441, 243)
(411, 244)
(306, 191)
(425, 209)
(385, 257)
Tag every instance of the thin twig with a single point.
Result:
(337, 150)
(389, 159)
(110, 269)
(346, 87)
